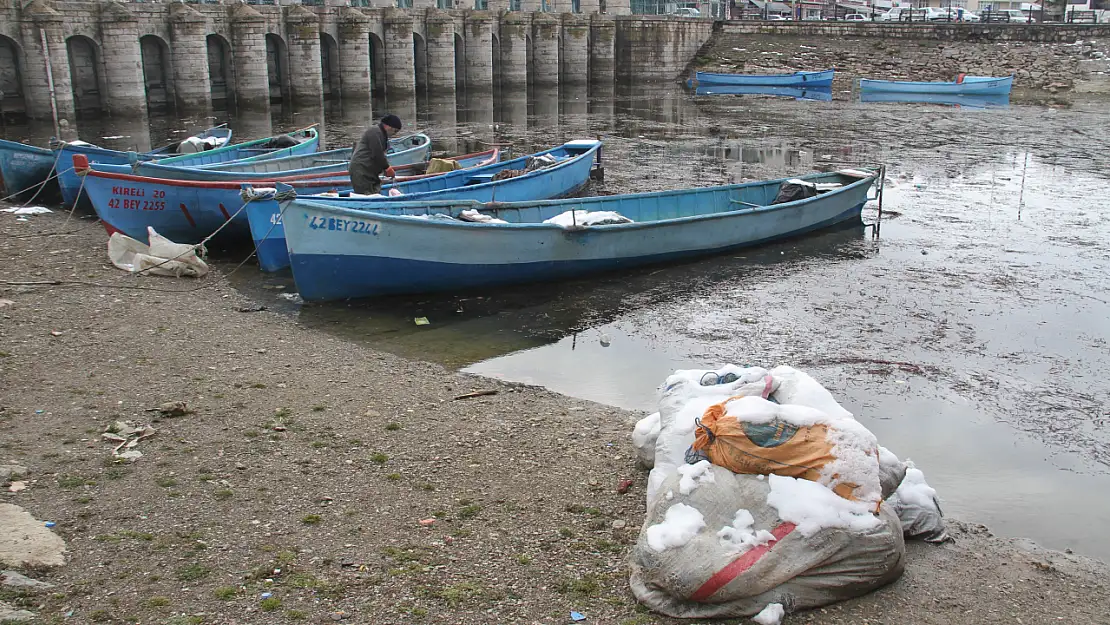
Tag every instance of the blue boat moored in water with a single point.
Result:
(963, 101)
(963, 85)
(24, 170)
(70, 183)
(568, 172)
(823, 94)
(338, 252)
(796, 79)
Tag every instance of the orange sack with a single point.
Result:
(777, 447)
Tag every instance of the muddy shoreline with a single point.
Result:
(319, 457)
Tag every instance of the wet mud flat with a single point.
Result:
(293, 486)
(318, 440)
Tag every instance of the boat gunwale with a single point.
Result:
(788, 75)
(309, 133)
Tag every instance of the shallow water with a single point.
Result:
(988, 282)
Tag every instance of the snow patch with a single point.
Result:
(694, 475)
(739, 538)
(813, 507)
(771, 615)
(679, 526)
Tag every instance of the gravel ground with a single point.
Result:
(304, 466)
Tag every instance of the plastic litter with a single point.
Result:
(27, 210)
(49, 523)
(421, 321)
(576, 616)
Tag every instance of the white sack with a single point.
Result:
(162, 257)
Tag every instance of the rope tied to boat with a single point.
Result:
(249, 194)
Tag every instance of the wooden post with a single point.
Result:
(50, 83)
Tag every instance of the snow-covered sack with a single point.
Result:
(721, 544)
(162, 257)
(918, 509)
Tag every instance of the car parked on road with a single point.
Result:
(856, 17)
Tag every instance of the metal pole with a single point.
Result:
(882, 183)
(50, 83)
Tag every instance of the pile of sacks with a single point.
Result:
(765, 495)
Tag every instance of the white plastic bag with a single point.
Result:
(162, 257)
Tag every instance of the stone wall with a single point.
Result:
(1040, 56)
(274, 52)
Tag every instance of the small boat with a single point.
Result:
(563, 179)
(188, 211)
(797, 79)
(406, 151)
(70, 183)
(339, 252)
(964, 101)
(963, 85)
(823, 94)
(24, 170)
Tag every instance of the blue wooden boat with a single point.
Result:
(339, 252)
(964, 101)
(304, 141)
(823, 94)
(70, 183)
(187, 211)
(332, 163)
(967, 85)
(797, 79)
(562, 180)
(24, 170)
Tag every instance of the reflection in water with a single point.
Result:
(967, 101)
(476, 107)
(545, 108)
(514, 110)
(799, 93)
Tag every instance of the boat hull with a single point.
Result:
(24, 168)
(70, 182)
(568, 178)
(183, 211)
(796, 79)
(972, 85)
(341, 254)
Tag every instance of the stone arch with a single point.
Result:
(86, 76)
(420, 60)
(157, 75)
(377, 64)
(460, 62)
(530, 57)
(496, 43)
(11, 77)
(329, 66)
(219, 71)
(277, 63)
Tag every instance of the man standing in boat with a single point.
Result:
(368, 159)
